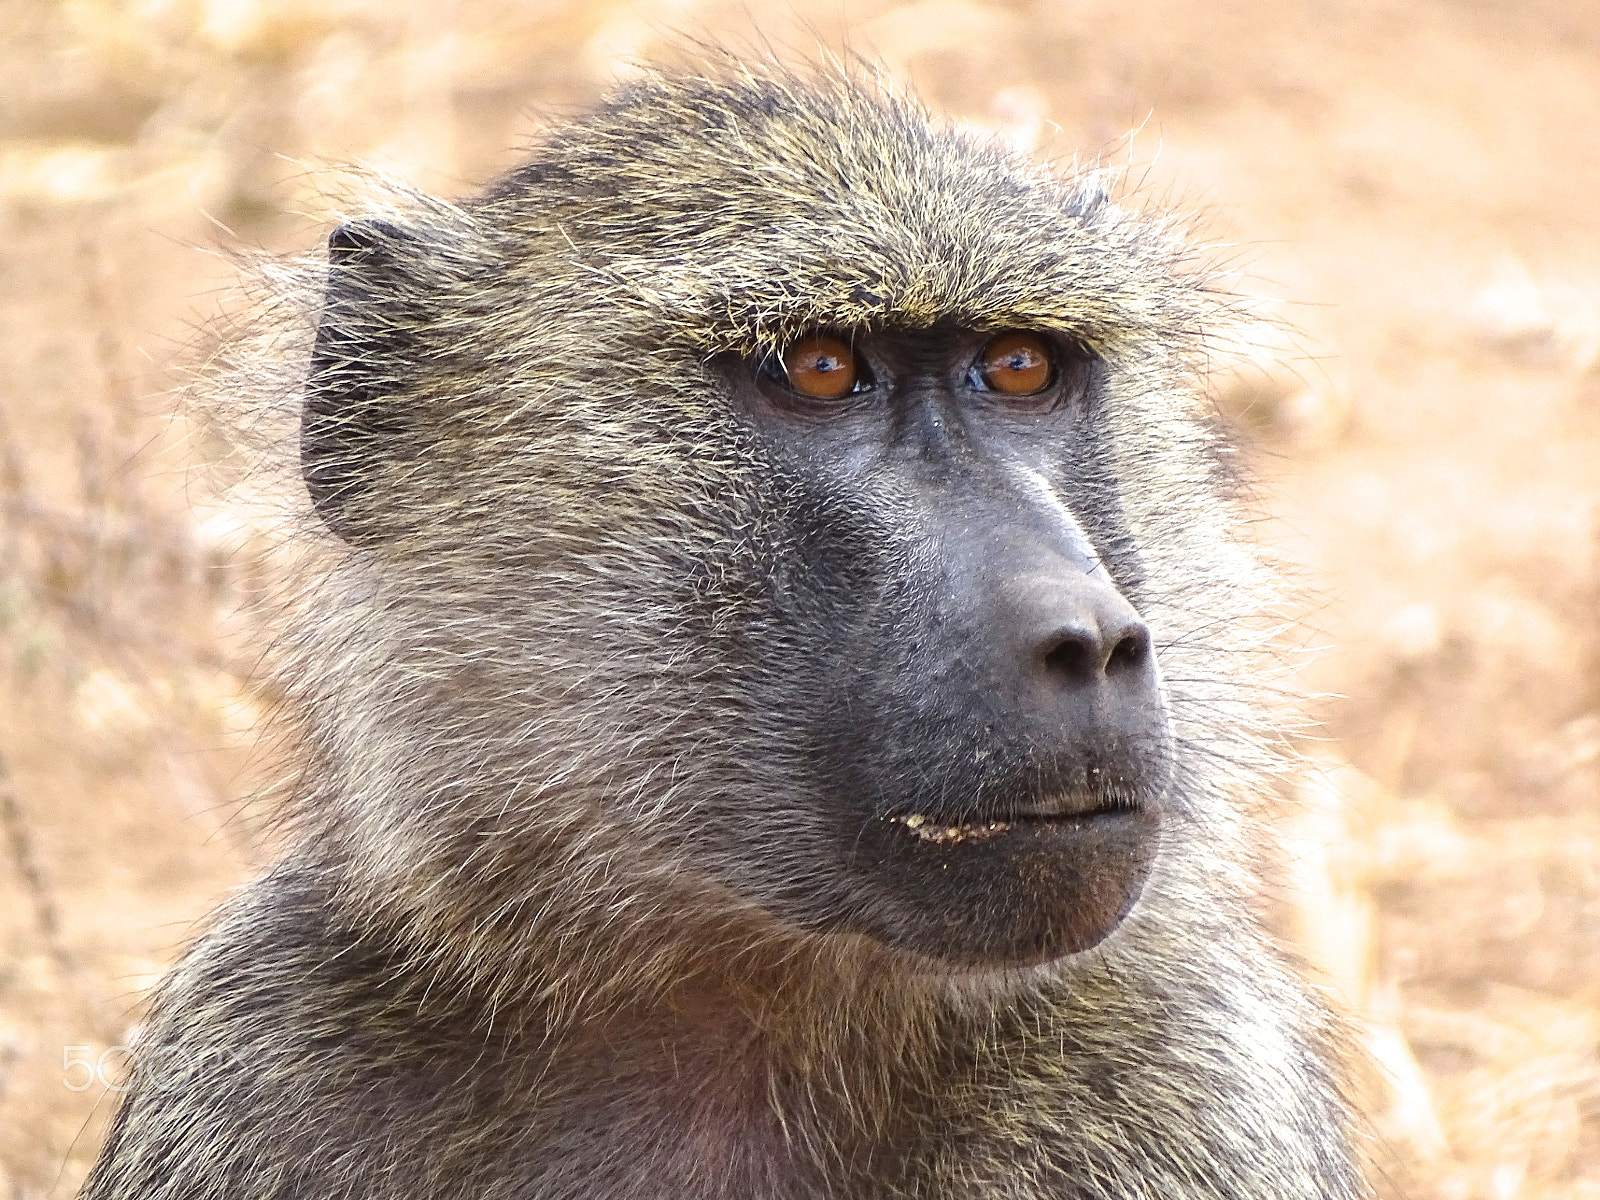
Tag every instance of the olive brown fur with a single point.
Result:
(680, 816)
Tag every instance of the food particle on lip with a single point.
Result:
(918, 824)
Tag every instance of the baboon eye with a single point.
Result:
(1016, 364)
(821, 367)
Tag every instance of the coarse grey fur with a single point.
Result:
(519, 944)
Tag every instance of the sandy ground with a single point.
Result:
(1411, 184)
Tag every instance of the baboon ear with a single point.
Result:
(351, 423)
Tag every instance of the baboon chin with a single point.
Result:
(777, 680)
(1008, 892)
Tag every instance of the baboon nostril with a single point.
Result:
(1075, 654)
(1130, 652)
(1081, 653)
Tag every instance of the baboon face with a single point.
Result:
(984, 734)
(756, 464)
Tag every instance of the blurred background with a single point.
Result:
(1412, 185)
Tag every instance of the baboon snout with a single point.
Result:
(1020, 776)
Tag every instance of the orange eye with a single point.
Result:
(1016, 364)
(821, 367)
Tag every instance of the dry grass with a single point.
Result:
(1419, 176)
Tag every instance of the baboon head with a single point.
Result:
(749, 502)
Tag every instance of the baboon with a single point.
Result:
(775, 695)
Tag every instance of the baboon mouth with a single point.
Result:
(942, 831)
